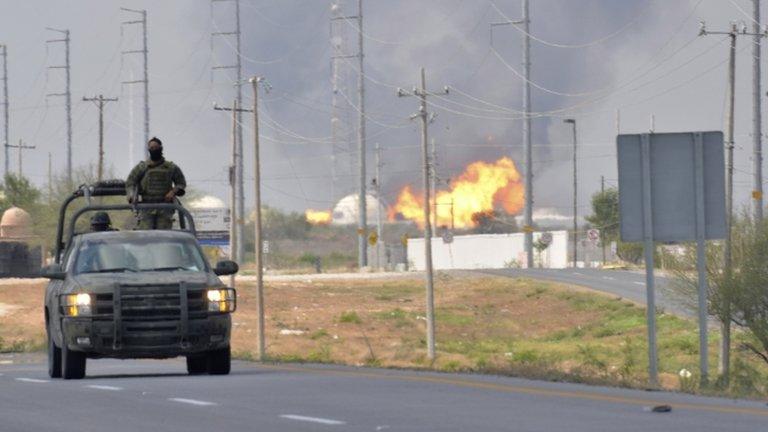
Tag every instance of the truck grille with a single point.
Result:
(151, 315)
(150, 303)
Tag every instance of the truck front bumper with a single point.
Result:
(146, 339)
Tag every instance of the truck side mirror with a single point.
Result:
(225, 268)
(53, 272)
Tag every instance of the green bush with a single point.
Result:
(350, 317)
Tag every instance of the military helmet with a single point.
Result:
(101, 220)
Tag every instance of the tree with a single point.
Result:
(738, 297)
(281, 225)
(19, 192)
(747, 287)
(486, 222)
(605, 217)
(605, 214)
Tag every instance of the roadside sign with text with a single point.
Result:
(212, 225)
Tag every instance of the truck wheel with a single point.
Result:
(197, 365)
(219, 361)
(72, 362)
(54, 357)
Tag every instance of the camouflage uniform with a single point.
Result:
(154, 180)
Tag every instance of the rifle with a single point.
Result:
(135, 191)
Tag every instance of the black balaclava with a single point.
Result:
(157, 154)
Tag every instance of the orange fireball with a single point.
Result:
(482, 187)
(318, 217)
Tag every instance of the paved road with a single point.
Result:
(626, 284)
(158, 396)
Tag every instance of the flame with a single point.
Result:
(318, 217)
(482, 187)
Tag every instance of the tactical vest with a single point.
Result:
(157, 181)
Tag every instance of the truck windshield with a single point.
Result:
(137, 255)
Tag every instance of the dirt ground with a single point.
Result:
(487, 324)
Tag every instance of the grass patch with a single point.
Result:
(319, 334)
(350, 317)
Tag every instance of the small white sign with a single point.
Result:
(212, 225)
(546, 238)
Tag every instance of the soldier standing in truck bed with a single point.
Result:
(155, 180)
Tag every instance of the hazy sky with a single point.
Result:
(640, 56)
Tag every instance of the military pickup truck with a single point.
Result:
(134, 294)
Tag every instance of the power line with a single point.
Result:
(67, 95)
(6, 140)
(422, 93)
(238, 67)
(598, 41)
(144, 51)
(100, 101)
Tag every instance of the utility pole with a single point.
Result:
(725, 345)
(362, 224)
(232, 192)
(6, 138)
(67, 95)
(50, 178)
(144, 51)
(575, 196)
(238, 67)
(235, 228)
(362, 206)
(527, 143)
(757, 117)
(377, 184)
(21, 146)
(433, 178)
(602, 229)
(340, 130)
(100, 101)
(257, 219)
(422, 94)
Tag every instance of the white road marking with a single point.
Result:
(578, 274)
(104, 387)
(639, 283)
(192, 401)
(6, 362)
(32, 380)
(608, 278)
(319, 420)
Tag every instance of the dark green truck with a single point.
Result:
(134, 294)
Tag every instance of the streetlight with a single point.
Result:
(575, 193)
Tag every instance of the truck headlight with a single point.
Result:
(221, 300)
(76, 304)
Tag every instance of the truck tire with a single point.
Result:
(72, 362)
(219, 361)
(54, 357)
(197, 365)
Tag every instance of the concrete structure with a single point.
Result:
(15, 224)
(17, 257)
(207, 201)
(489, 251)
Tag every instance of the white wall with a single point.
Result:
(488, 251)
